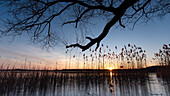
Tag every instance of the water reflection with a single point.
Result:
(82, 84)
(111, 83)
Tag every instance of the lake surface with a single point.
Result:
(82, 84)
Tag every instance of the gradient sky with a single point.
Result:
(150, 36)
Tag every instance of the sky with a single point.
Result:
(150, 36)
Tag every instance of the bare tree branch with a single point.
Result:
(78, 19)
(36, 17)
(123, 7)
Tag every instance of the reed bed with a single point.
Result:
(15, 83)
(47, 83)
(129, 80)
(163, 56)
(129, 57)
(163, 59)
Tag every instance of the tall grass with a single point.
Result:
(45, 83)
(129, 57)
(10, 63)
(163, 56)
(163, 59)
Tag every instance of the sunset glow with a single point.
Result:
(84, 47)
(111, 68)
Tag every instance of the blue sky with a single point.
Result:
(150, 36)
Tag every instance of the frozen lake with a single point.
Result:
(83, 84)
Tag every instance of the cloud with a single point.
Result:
(33, 53)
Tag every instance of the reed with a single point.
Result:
(47, 83)
(129, 57)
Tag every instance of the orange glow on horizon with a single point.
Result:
(110, 68)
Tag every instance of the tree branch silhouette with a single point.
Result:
(36, 16)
